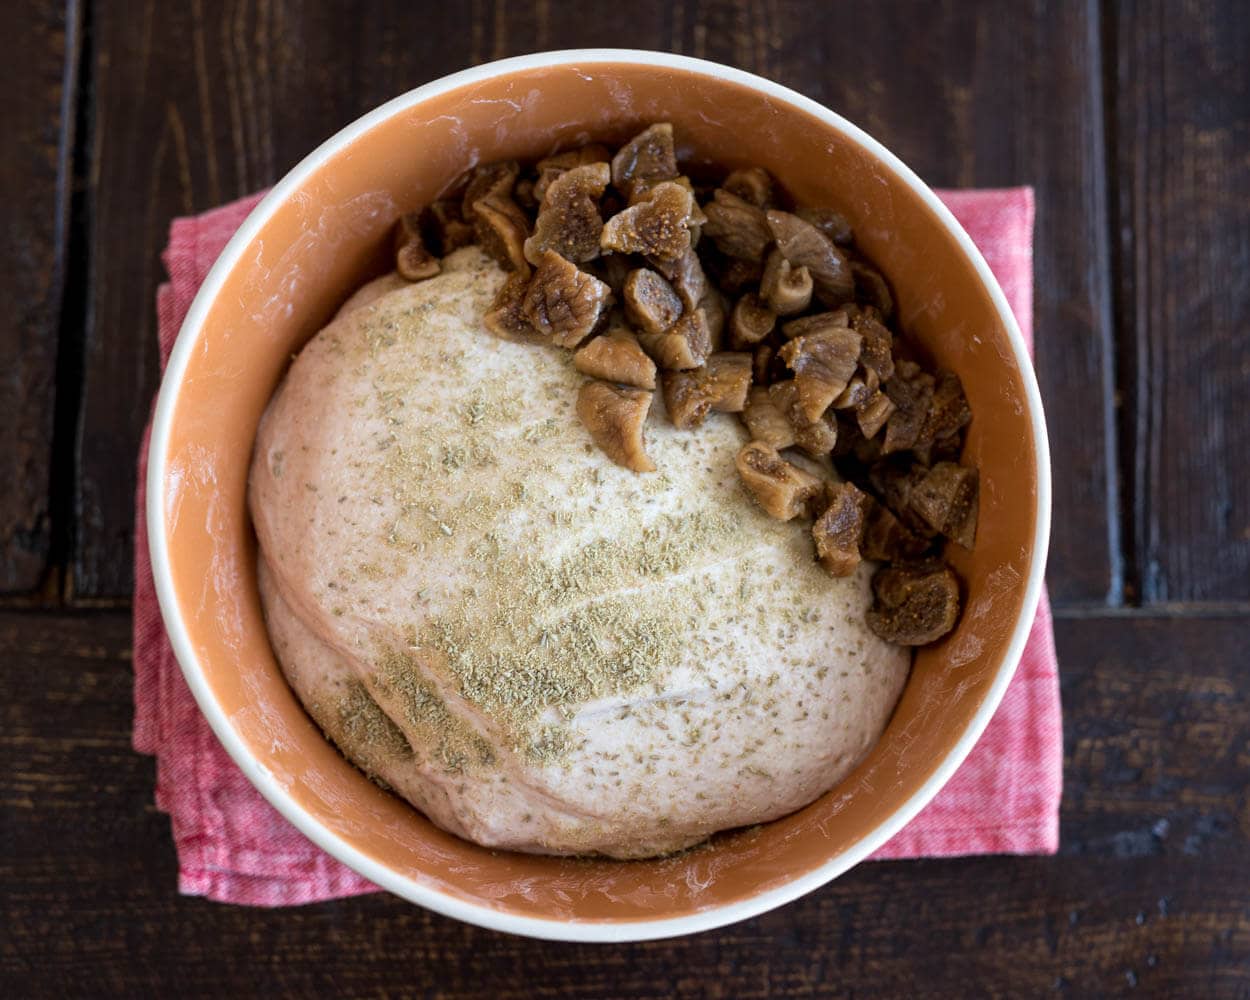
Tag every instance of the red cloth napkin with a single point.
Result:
(234, 847)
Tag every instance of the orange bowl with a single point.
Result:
(323, 231)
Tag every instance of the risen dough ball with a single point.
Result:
(540, 650)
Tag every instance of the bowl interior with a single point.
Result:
(329, 236)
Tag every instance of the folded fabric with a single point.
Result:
(234, 847)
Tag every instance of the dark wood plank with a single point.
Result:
(1182, 120)
(1149, 890)
(37, 81)
(196, 105)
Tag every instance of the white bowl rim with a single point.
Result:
(425, 895)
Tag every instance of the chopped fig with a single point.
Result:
(646, 160)
(823, 364)
(816, 437)
(873, 287)
(506, 317)
(720, 385)
(819, 323)
(804, 245)
(873, 413)
(738, 228)
(650, 302)
(451, 232)
(750, 322)
(856, 393)
(685, 274)
(685, 344)
(658, 226)
(914, 605)
(568, 218)
(832, 224)
(713, 306)
(765, 420)
(893, 479)
(782, 488)
(838, 530)
(616, 357)
(501, 227)
(911, 391)
(947, 500)
(886, 538)
(751, 184)
(490, 180)
(563, 303)
(412, 260)
(948, 409)
(877, 353)
(552, 167)
(614, 415)
(787, 289)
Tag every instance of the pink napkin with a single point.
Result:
(234, 847)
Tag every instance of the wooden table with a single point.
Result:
(1131, 119)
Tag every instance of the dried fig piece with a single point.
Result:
(914, 605)
(568, 218)
(856, 393)
(412, 260)
(750, 322)
(837, 319)
(787, 289)
(506, 317)
(751, 184)
(650, 302)
(947, 500)
(616, 356)
(685, 344)
(735, 276)
(893, 479)
(686, 275)
(873, 413)
(948, 409)
(877, 353)
(782, 488)
(492, 180)
(837, 531)
(450, 231)
(564, 303)
(551, 167)
(657, 227)
(765, 420)
(886, 538)
(911, 391)
(615, 415)
(738, 228)
(646, 160)
(719, 385)
(823, 364)
(872, 288)
(713, 306)
(501, 228)
(803, 245)
(833, 224)
(816, 437)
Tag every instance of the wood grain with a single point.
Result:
(195, 105)
(37, 81)
(1182, 120)
(1149, 890)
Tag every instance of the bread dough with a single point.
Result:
(538, 649)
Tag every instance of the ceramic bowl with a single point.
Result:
(324, 229)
